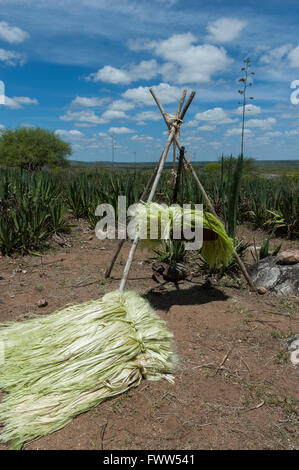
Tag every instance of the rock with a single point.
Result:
(171, 272)
(280, 279)
(261, 290)
(42, 303)
(60, 240)
(293, 346)
(288, 257)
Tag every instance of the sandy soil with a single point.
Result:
(236, 387)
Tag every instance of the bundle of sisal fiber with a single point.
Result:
(155, 222)
(59, 365)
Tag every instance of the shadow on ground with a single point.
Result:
(195, 295)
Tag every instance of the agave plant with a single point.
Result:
(264, 251)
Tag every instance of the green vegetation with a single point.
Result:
(34, 205)
(33, 148)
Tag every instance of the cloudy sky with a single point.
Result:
(83, 68)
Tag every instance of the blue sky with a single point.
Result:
(83, 69)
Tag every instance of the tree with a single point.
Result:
(33, 148)
(213, 168)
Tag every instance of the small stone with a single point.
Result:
(288, 257)
(42, 303)
(24, 271)
(261, 290)
(90, 238)
(289, 429)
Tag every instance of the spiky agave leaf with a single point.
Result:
(63, 364)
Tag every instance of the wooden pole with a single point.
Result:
(122, 241)
(190, 99)
(151, 180)
(153, 190)
(178, 176)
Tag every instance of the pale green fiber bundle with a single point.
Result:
(219, 252)
(167, 219)
(60, 365)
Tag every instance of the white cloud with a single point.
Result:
(90, 117)
(236, 131)
(25, 100)
(111, 114)
(261, 123)
(274, 134)
(141, 44)
(214, 116)
(193, 138)
(83, 124)
(121, 105)
(184, 62)
(225, 29)
(292, 132)
(165, 92)
(17, 102)
(2, 127)
(121, 130)
(89, 102)
(83, 116)
(249, 108)
(146, 70)
(168, 3)
(142, 138)
(12, 34)
(263, 140)
(147, 116)
(207, 128)
(110, 74)
(11, 57)
(191, 123)
(189, 63)
(72, 134)
(294, 57)
(275, 56)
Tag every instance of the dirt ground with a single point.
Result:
(236, 387)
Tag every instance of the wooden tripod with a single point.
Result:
(173, 124)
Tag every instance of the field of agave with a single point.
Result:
(34, 206)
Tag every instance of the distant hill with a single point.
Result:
(127, 165)
(277, 166)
